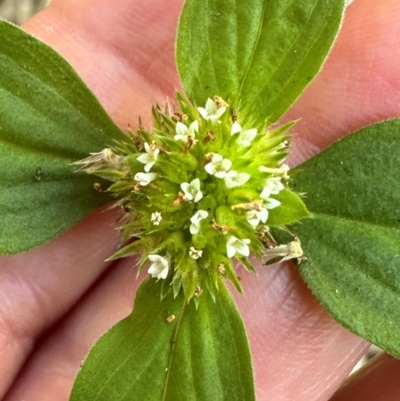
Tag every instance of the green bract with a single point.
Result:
(198, 190)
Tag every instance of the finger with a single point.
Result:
(299, 352)
(124, 50)
(376, 381)
(49, 374)
(36, 288)
(359, 84)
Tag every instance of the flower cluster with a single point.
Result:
(198, 190)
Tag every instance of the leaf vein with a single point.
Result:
(250, 63)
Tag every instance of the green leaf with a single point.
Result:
(48, 119)
(201, 355)
(353, 241)
(262, 54)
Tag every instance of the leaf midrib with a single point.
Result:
(335, 216)
(299, 65)
(254, 50)
(173, 347)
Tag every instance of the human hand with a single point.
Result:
(57, 300)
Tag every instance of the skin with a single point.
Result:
(55, 301)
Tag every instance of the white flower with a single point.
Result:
(148, 158)
(195, 220)
(156, 218)
(192, 190)
(218, 166)
(234, 179)
(160, 266)
(211, 112)
(272, 186)
(195, 253)
(235, 245)
(183, 131)
(255, 216)
(145, 178)
(245, 137)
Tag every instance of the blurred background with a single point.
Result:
(18, 11)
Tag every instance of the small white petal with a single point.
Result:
(194, 229)
(198, 196)
(145, 178)
(236, 128)
(183, 138)
(211, 106)
(203, 112)
(185, 186)
(276, 185)
(148, 166)
(234, 179)
(263, 214)
(199, 215)
(220, 174)
(220, 111)
(247, 136)
(195, 220)
(209, 168)
(194, 127)
(266, 193)
(195, 184)
(278, 188)
(144, 158)
(244, 248)
(271, 203)
(147, 147)
(181, 128)
(159, 268)
(217, 158)
(230, 250)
